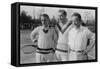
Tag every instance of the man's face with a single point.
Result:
(62, 17)
(76, 21)
(44, 21)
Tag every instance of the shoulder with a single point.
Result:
(86, 30)
(69, 22)
(38, 28)
(71, 26)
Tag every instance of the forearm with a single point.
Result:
(34, 37)
(91, 45)
(91, 37)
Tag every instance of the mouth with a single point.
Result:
(76, 23)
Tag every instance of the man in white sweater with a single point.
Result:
(62, 45)
(46, 38)
(78, 36)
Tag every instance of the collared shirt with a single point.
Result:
(77, 38)
(45, 40)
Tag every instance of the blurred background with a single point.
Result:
(30, 18)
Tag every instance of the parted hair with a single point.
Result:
(45, 15)
(63, 12)
(77, 14)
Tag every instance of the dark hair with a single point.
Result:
(77, 14)
(63, 12)
(45, 15)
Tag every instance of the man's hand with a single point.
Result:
(84, 52)
(35, 42)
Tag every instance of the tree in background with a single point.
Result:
(26, 21)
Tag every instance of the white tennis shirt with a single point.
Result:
(77, 38)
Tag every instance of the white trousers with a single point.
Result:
(44, 57)
(61, 56)
(74, 56)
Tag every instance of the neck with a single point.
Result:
(77, 27)
(64, 22)
(46, 27)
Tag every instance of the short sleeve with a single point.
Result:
(90, 35)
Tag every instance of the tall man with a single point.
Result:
(77, 39)
(46, 38)
(62, 45)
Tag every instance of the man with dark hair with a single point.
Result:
(46, 39)
(78, 36)
(62, 46)
(77, 15)
(63, 12)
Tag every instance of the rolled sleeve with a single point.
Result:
(34, 34)
(91, 35)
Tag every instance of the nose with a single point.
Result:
(61, 17)
(75, 22)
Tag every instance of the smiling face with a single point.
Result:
(62, 16)
(44, 21)
(76, 21)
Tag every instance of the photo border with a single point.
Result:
(59, 6)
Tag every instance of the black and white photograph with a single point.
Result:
(54, 34)
(46, 34)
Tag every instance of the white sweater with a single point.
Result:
(45, 40)
(63, 38)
